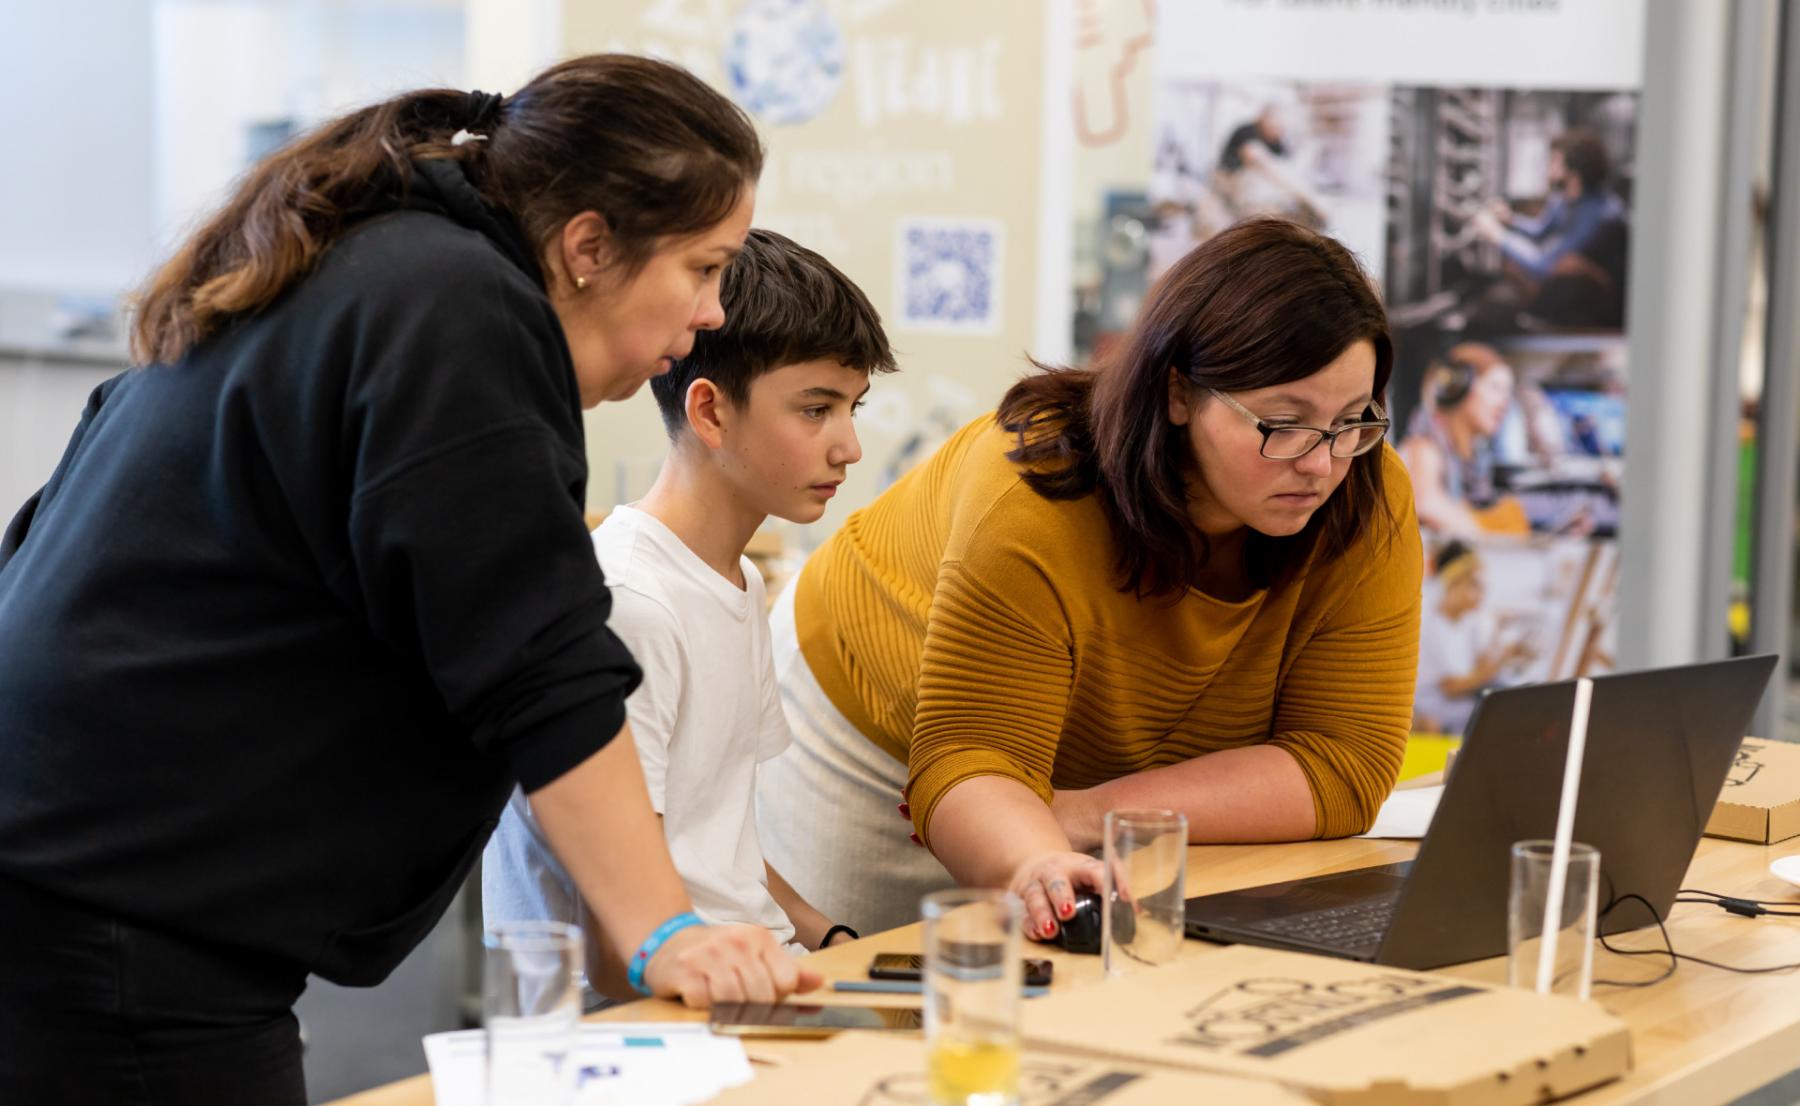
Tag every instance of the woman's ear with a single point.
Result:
(579, 254)
(1181, 398)
(706, 413)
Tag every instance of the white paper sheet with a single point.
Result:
(1407, 813)
(642, 1063)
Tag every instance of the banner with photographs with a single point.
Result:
(1497, 218)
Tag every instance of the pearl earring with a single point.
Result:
(580, 283)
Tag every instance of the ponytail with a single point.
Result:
(289, 208)
(647, 145)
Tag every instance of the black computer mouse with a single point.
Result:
(1080, 931)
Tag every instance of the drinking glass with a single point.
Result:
(972, 979)
(1572, 970)
(531, 1004)
(1144, 898)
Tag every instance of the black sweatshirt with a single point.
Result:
(293, 614)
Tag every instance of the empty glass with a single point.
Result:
(1145, 891)
(1572, 969)
(531, 1003)
(972, 978)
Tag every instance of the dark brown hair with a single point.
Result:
(1585, 156)
(1266, 302)
(645, 144)
(783, 304)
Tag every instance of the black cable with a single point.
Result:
(1749, 908)
(1668, 948)
(1720, 895)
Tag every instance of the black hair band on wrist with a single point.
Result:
(825, 941)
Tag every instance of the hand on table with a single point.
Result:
(1047, 885)
(702, 965)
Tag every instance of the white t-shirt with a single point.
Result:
(707, 713)
(1450, 650)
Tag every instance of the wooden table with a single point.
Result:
(1702, 1036)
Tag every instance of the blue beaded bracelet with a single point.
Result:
(641, 960)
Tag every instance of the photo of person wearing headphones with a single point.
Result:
(1449, 444)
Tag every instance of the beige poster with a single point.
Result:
(904, 140)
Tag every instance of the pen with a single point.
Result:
(908, 987)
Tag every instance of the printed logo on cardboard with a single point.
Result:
(1039, 1085)
(1745, 767)
(1267, 1017)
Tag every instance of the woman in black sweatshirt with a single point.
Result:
(310, 589)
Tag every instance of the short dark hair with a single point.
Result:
(1586, 157)
(784, 304)
(1451, 552)
(1265, 302)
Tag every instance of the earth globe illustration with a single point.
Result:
(785, 59)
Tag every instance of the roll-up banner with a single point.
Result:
(1478, 156)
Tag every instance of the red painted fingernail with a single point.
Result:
(915, 839)
(1067, 909)
(1049, 929)
(905, 810)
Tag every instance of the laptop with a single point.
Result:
(1659, 745)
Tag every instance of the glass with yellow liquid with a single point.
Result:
(974, 1074)
(972, 978)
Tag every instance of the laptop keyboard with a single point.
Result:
(1354, 925)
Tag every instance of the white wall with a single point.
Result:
(75, 208)
(221, 66)
(128, 122)
(506, 42)
(75, 205)
(39, 407)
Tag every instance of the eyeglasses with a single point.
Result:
(1281, 442)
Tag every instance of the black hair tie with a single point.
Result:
(483, 109)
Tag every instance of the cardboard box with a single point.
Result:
(1760, 801)
(865, 1069)
(1341, 1032)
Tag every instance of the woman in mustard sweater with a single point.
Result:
(1187, 578)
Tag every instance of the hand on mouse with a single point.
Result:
(1047, 884)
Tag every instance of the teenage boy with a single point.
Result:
(759, 423)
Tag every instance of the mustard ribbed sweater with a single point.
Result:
(969, 627)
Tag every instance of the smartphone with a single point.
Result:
(790, 1019)
(910, 966)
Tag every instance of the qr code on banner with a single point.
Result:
(949, 274)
